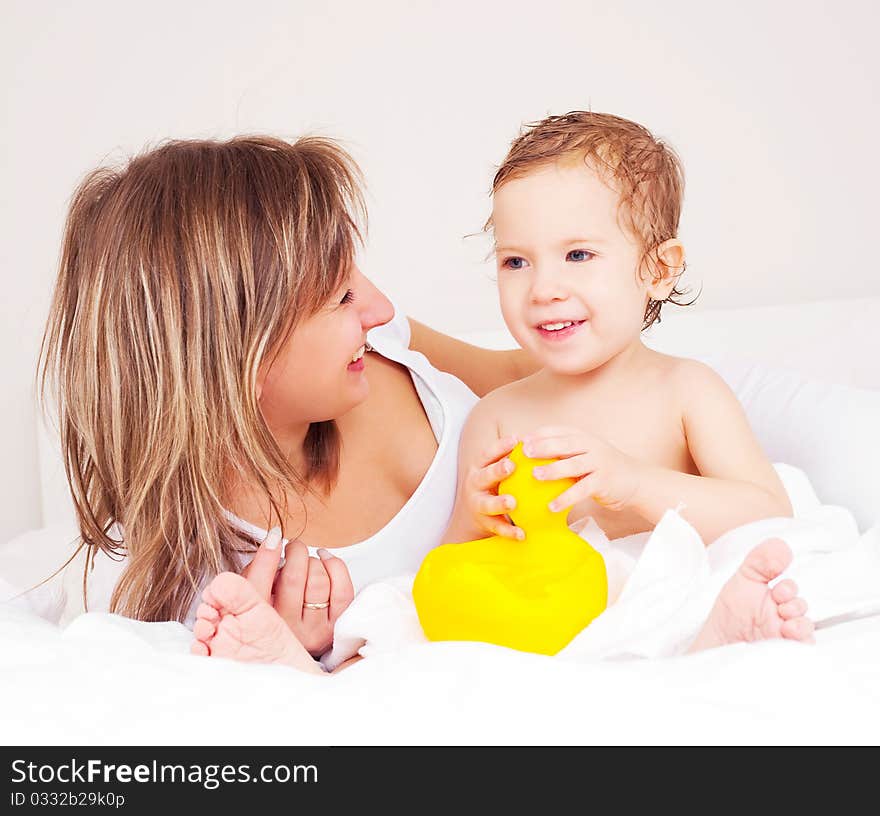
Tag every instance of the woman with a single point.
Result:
(206, 348)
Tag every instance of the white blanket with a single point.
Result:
(662, 585)
(104, 679)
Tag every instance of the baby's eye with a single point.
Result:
(348, 297)
(578, 255)
(513, 262)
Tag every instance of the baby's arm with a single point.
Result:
(478, 512)
(737, 484)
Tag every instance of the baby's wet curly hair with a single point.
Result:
(646, 172)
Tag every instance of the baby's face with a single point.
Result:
(567, 272)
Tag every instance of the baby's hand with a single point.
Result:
(605, 474)
(485, 506)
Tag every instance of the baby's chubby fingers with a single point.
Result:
(495, 466)
(571, 468)
(488, 504)
(500, 447)
(584, 489)
(499, 526)
(543, 446)
(489, 476)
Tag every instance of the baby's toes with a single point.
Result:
(784, 591)
(798, 629)
(208, 612)
(795, 608)
(204, 629)
(230, 592)
(199, 648)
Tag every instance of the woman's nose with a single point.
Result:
(376, 309)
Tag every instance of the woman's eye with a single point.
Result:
(579, 255)
(513, 263)
(348, 297)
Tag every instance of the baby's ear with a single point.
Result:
(667, 266)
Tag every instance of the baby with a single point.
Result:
(585, 216)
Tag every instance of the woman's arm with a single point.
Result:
(482, 370)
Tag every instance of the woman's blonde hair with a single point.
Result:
(180, 273)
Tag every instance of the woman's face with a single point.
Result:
(318, 374)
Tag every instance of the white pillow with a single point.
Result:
(29, 559)
(831, 432)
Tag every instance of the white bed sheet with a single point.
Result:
(107, 680)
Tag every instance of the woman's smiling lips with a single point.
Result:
(555, 331)
(357, 359)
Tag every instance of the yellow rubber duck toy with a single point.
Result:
(533, 595)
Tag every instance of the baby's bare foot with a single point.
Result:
(233, 621)
(747, 609)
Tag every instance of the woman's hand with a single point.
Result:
(487, 509)
(606, 475)
(309, 593)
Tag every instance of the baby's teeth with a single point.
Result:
(557, 326)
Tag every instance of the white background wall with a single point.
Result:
(772, 105)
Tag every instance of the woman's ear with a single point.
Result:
(668, 268)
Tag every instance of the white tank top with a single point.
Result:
(399, 547)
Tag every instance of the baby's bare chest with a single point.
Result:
(647, 427)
